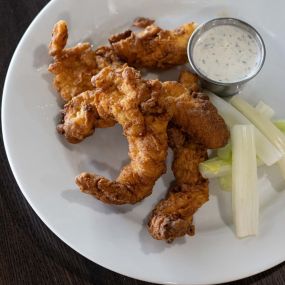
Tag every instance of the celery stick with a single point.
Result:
(274, 135)
(226, 182)
(265, 150)
(215, 167)
(280, 124)
(264, 109)
(225, 152)
(245, 200)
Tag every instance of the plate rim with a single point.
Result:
(45, 9)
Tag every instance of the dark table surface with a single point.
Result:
(29, 252)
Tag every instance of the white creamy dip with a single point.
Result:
(227, 53)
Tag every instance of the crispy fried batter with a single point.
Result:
(142, 22)
(202, 120)
(153, 47)
(80, 118)
(173, 216)
(59, 38)
(197, 116)
(74, 67)
(190, 81)
(144, 109)
(118, 95)
(194, 113)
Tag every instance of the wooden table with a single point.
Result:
(29, 252)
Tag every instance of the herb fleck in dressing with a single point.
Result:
(227, 53)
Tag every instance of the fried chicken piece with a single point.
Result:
(142, 22)
(194, 113)
(59, 38)
(143, 108)
(80, 118)
(118, 95)
(172, 217)
(190, 81)
(153, 47)
(74, 67)
(202, 120)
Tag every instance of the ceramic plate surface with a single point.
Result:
(115, 237)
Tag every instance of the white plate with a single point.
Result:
(45, 165)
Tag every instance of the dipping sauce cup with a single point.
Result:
(225, 53)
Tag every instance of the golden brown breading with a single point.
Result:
(142, 22)
(153, 47)
(136, 180)
(193, 113)
(187, 157)
(143, 108)
(202, 122)
(59, 38)
(173, 216)
(196, 115)
(80, 118)
(190, 81)
(118, 95)
(74, 67)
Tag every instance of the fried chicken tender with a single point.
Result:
(190, 81)
(59, 38)
(153, 47)
(193, 113)
(119, 95)
(172, 217)
(197, 116)
(144, 109)
(80, 118)
(74, 67)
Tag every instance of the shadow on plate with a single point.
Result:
(41, 63)
(113, 173)
(274, 176)
(224, 203)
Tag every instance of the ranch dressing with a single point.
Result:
(226, 53)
